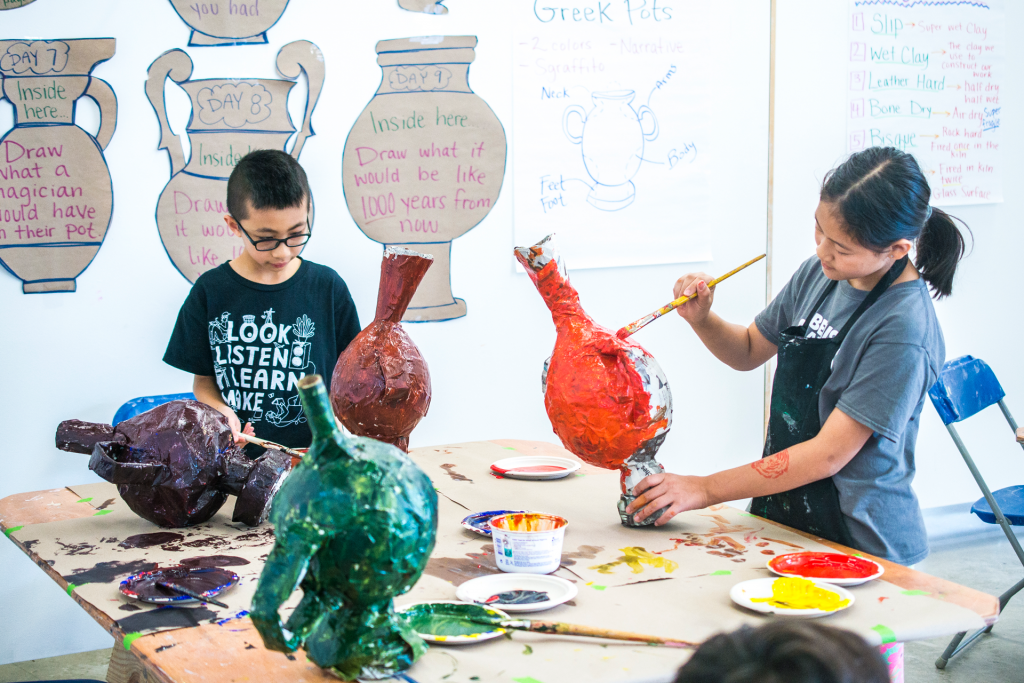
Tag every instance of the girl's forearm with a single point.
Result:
(729, 342)
(786, 470)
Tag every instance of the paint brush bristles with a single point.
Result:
(673, 305)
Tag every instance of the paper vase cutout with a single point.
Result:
(15, 4)
(425, 6)
(230, 118)
(56, 197)
(424, 162)
(228, 22)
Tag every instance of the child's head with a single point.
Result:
(785, 652)
(268, 201)
(875, 205)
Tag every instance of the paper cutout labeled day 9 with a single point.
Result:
(926, 77)
(425, 160)
(56, 198)
(229, 22)
(230, 118)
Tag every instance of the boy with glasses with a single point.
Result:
(253, 326)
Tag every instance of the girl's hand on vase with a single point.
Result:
(676, 492)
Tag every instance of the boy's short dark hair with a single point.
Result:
(266, 178)
(785, 652)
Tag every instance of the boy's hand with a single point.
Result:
(248, 430)
(695, 310)
(676, 492)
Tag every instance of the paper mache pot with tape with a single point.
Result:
(607, 398)
(229, 22)
(381, 385)
(56, 197)
(230, 117)
(425, 160)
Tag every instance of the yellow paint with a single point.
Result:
(794, 593)
(634, 557)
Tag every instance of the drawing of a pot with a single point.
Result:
(613, 145)
(230, 118)
(424, 162)
(228, 22)
(56, 197)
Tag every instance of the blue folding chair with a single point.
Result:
(967, 386)
(139, 405)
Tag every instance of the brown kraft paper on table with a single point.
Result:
(425, 160)
(230, 118)
(93, 554)
(229, 22)
(56, 197)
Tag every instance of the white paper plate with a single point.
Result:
(480, 589)
(742, 593)
(485, 634)
(535, 467)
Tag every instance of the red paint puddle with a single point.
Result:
(531, 468)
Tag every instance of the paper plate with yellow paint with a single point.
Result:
(454, 623)
(791, 597)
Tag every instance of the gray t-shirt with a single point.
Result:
(880, 377)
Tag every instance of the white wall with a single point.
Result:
(982, 317)
(81, 355)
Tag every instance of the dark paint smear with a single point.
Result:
(166, 617)
(76, 548)
(166, 647)
(208, 542)
(105, 572)
(450, 469)
(250, 647)
(150, 540)
(107, 503)
(29, 544)
(459, 570)
(583, 552)
(215, 561)
(129, 607)
(108, 540)
(767, 552)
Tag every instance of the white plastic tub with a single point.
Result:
(528, 542)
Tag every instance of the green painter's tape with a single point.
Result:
(721, 572)
(71, 588)
(599, 588)
(130, 638)
(84, 500)
(12, 530)
(508, 448)
(526, 679)
(916, 593)
(527, 650)
(102, 512)
(888, 635)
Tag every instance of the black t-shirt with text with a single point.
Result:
(258, 340)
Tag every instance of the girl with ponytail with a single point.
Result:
(858, 346)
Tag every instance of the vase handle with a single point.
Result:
(294, 58)
(101, 92)
(644, 109)
(178, 66)
(573, 109)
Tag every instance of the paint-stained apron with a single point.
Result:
(804, 365)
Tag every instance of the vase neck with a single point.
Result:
(561, 297)
(401, 272)
(317, 407)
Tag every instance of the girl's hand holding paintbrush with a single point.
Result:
(696, 309)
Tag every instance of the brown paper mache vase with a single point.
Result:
(230, 118)
(56, 198)
(424, 162)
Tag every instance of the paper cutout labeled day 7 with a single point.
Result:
(56, 198)
(229, 22)
(425, 160)
(230, 118)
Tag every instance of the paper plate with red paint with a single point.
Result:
(835, 568)
(535, 467)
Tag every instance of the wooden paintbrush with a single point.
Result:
(270, 444)
(651, 317)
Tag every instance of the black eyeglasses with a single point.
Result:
(272, 244)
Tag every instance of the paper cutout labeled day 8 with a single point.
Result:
(56, 198)
(230, 118)
(425, 160)
(229, 22)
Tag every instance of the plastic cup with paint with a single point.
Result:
(528, 542)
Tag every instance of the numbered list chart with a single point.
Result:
(925, 77)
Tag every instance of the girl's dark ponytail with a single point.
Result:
(882, 197)
(939, 248)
